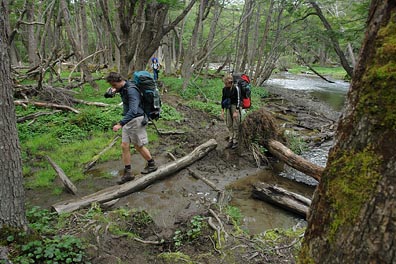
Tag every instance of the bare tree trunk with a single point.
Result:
(76, 48)
(12, 194)
(333, 39)
(263, 41)
(141, 30)
(352, 217)
(32, 41)
(84, 28)
(190, 57)
(168, 48)
(351, 54)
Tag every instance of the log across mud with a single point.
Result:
(283, 198)
(115, 192)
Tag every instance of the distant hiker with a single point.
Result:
(133, 124)
(231, 106)
(155, 66)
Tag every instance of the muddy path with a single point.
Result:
(172, 202)
(181, 195)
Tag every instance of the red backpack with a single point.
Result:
(243, 83)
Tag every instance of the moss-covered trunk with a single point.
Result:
(353, 213)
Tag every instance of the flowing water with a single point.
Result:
(259, 215)
(332, 94)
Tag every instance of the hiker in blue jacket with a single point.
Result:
(230, 107)
(133, 124)
(155, 66)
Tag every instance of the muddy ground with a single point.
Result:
(173, 202)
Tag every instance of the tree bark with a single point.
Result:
(352, 217)
(12, 194)
(278, 196)
(115, 192)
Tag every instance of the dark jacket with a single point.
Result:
(231, 96)
(131, 101)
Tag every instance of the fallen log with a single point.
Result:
(45, 104)
(35, 115)
(260, 126)
(278, 196)
(62, 175)
(118, 191)
(293, 160)
(79, 101)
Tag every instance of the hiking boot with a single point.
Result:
(126, 177)
(150, 167)
(234, 145)
(229, 145)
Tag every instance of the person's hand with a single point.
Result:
(235, 114)
(116, 127)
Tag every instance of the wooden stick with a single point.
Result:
(97, 157)
(66, 181)
(197, 176)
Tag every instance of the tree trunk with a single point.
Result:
(74, 44)
(12, 195)
(333, 39)
(352, 217)
(115, 192)
(32, 41)
(141, 30)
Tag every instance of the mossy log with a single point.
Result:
(276, 195)
(115, 192)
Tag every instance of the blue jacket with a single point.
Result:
(131, 101)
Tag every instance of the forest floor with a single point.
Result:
(173, 203)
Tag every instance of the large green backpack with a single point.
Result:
(148, 90)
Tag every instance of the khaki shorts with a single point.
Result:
(134, 133)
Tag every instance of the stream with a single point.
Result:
(258, 215)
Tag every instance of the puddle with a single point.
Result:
(260, 216)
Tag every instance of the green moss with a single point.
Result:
(176, 257)
(379, 100)
(357, 177)
(304, 256)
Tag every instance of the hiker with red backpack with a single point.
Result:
(231, 109)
